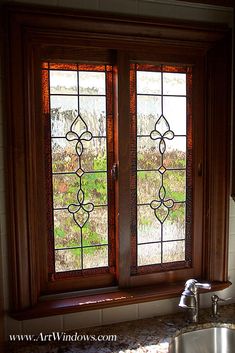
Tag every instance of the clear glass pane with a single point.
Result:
(148, 184)
(148, 227)
(174, 225)
(91, 82)
(94, 186)
(174, 251)
(175, 113)
(62, 114)
(148, 156)
(64, 157)
(95, 232)
(63, 82)
(66, 231)
(95, 257)
(149, 254)
(175, 185)
(175, 155)
(93, 111)
(148, 112)
(174, 83)
(65, 188)
(148, 82)
(94, 155)
(67, 260)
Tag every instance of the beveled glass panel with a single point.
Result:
(174, 251)
(148, 156)
(93, 111)
(175, 155)
(67, 260)
(94, 157)
(148, 111)
(94, 186)
(91, 82)
(148, 184)
(148, 227)
(175, 184)
(96, 256)
(64, 157)
(63, 82)
(95, 232)
(174, 83)
(65, 188)
(66, 231)
(149, 254)
(175, 113)
(174, 225)
(62, 114)
(148, 82)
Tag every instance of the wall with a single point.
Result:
(170, 9)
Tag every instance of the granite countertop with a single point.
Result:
(140, 336)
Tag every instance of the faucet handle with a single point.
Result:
(192, 285)
(203, 285)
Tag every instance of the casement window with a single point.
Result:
(118, 187)
(81, 167)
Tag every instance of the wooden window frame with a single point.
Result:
(39, 33)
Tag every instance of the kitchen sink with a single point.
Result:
(207, 340)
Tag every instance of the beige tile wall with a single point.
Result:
(158, 8)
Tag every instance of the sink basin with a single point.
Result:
(207, 340)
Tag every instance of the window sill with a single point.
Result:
(55, 306)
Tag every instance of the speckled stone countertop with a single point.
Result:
(140, 336)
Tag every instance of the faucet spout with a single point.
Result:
(190, 297)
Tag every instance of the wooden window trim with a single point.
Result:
(33, 30)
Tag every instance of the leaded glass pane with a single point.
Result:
(63, 82)
(149, 229)
(148, 157)
(175, 110)
(95, 256)
(80, 102)
(91, 83)
(148, 82)
(66, 233)
(147, 184)
(68, 260)
(149, 254)
(174, 251)
(148, 109)
(174, 83)
(161, 164)
(70, 161)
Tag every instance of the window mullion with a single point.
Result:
(124, 162)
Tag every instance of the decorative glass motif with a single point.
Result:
(79, 102)
(162, 163)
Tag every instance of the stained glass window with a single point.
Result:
(78, 99)
(161, 115)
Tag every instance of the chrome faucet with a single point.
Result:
(190, 297)
(215, 304)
